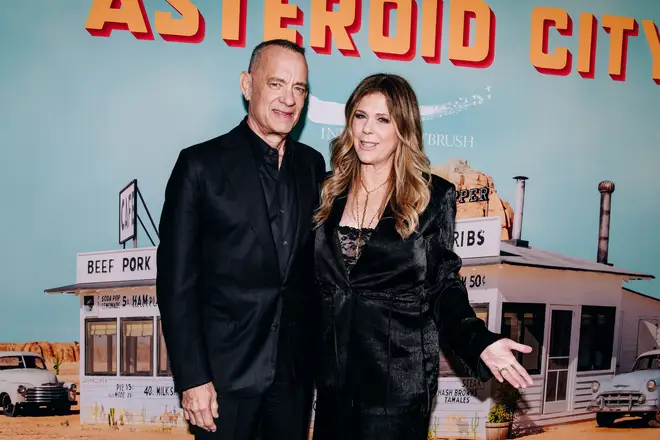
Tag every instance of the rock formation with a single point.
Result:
(460, 174)
(68, 351)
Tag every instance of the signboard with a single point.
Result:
(461, 408)
(467, 391)
(105, 305)
(129, 400)
(473, 279)
(120, 265)
(472, 195)
(128, 212)
(478, 237)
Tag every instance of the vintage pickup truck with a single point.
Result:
(636, 393)
(26, 383)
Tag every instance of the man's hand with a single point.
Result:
(200, 406)
(503, 364)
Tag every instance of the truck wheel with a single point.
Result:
(8, 408)
(654, 422)
(605, 420)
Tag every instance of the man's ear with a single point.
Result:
(246, 85)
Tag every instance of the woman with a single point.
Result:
(388, 277)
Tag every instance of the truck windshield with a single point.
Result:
(34, 362)
(15, 362)
(651, 362)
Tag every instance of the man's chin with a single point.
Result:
(283, 127)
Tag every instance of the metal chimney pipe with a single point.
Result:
(520, 204)
(606, 188)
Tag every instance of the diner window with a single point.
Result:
(450, 365)
(596, 338)
(525, 323)
(101, 347)
(137, 346)
(163, 359)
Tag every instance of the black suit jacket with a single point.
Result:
(383, 323)
(219, 287)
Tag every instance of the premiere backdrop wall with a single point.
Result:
(84, 111)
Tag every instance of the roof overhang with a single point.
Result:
(112, 286)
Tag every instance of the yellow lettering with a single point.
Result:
(653, 38)
(543, 18)
(189, 28)
(619, 28)
(108, 15)
(431, 30)
(587, 45)
(481, 53)
(401, 46)
(326, 24)
(234, 18)
(278, 15)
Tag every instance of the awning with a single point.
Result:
(79, 288)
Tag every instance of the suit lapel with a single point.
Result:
(241, 170)
(330, 228)
(303, 187)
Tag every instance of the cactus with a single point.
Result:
(474, 424)
(433, 432)
(56, 363)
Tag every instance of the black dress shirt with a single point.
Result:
(279, 191)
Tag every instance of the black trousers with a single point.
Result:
(344, 419)
(282, 413)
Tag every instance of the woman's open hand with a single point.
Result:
(499, 357)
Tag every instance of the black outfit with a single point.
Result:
(384, 317)
(235, 284)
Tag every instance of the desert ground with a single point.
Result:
(47, 427)
(69, 428)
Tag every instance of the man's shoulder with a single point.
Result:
(202, 148)
(209, 148)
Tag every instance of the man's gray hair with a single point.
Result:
(286, 44)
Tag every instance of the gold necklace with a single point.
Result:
(364, 214)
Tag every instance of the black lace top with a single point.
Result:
(348, 240)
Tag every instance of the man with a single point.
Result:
(234, 262)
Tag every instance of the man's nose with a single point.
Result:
(287, 97)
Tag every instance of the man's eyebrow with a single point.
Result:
(281, 80)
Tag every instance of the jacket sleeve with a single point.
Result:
(455, 319)
(177, 275)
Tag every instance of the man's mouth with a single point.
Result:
(283, 114)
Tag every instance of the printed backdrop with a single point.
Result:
(564, 92)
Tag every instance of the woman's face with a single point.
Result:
(373, 130)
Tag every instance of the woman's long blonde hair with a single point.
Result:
(411, 172)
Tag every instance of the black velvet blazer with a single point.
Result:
(382, 324)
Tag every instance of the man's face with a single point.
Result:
(276, 90)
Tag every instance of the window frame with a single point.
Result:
(594, 313)
(159, 347)
(89, 358)
(520, 309)
(130, 319)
